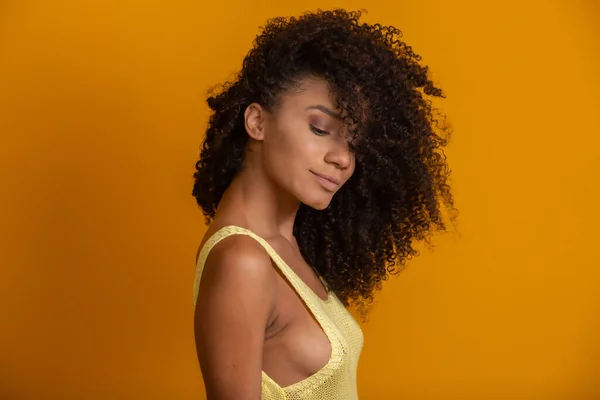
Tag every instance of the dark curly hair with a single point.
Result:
(395, 196)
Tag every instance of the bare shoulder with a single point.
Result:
(239, 255)
(238, 265)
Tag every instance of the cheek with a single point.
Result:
(286, 159)
(294, 150)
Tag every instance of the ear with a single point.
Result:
(255, 121)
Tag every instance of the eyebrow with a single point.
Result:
(325, 110)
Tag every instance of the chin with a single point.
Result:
(318, 203)
(320, 206)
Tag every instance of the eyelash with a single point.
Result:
(317, 131)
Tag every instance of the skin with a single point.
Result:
(248, 318)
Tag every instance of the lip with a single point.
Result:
(328, 182)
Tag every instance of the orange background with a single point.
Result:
(101, 115)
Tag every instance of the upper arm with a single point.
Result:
(235, 301)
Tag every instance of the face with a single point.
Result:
(305, 145)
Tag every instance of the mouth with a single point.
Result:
(328, 182)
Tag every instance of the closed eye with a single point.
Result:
(318, 131)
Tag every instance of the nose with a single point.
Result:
(340, 155)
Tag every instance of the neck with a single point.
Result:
(252, 197)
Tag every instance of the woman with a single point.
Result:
(321, 167)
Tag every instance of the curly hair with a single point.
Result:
(396, 195)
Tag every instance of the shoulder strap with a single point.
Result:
(298, 284)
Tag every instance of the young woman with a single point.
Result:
(322, 165)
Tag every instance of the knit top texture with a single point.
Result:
(337, 379)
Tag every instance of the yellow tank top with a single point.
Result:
(337, 379)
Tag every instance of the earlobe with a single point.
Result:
(254, 119)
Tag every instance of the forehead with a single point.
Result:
(308, 92)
